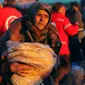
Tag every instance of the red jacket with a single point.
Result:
(64, 28)
(7, 15)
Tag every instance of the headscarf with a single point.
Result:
(34, 8)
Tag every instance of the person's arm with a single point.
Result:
(55, 41)
(6, 71)
(69, 28)
(19, 68)
(3, 40)
(78, 18)
(9, 68)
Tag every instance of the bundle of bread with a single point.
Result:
(41, 57)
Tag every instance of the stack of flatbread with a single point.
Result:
(40, 57)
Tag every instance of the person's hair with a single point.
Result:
(75, 4)
(56, 6)
(9, 1)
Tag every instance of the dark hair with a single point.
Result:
(56, 6)
(75, 4)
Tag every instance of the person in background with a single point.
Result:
(76, 42)
(35, 26)
(7, 14)
(78, 18)
(65, 29)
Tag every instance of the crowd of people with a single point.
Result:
(54, 28)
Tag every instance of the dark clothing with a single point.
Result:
(63, 68)
(75, 41)
(78, 18)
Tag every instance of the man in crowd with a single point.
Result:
(65, 29)
(7, 14)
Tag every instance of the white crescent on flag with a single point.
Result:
(9, 20)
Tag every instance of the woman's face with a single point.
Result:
(41, 19)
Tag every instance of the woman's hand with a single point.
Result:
(21, 69)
